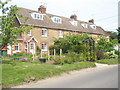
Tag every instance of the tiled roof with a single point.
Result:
(48, 23)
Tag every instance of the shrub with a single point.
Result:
(59, 60)
(69, 58)
(100, 55)
(38, 50)
(18, 54)
(21, 54)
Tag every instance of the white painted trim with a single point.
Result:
(18, 19)
(32, 38)
(9, 49)
(33, 51)
(46, 32)
(60, 34)
(46, 47)
(18, 47)
(29, 34)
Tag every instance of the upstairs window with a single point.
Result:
(37, 16)
(29, 33)
(74, 23)
(93, 26)
(85, 25)
(56, 19)
(60, 34)
(44, 32)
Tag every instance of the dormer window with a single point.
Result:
(74, 23)
(38, 16)
(93, 26)
(56, 19)
(85, 25)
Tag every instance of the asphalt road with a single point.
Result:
(106, 77)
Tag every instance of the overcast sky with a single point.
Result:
(104, 12)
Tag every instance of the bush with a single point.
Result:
(18, 54)
(59, 60)
(69, 58)
(100, 55)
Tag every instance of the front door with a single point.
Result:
(32, 47)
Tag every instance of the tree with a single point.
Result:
(113, 35)
(118, 34)
(105, 45)
(70, 43)
(9, 32)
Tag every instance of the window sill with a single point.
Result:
(44, 36)
(60, 36)
(44, 50)
(16, 51)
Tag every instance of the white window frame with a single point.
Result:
(29, 33)
(37, 16)
(60, 34)
(85, 25)
(17, 45)
(93, 26)
(44, 48)
(56, 19)
(44, 29)
(73, 22)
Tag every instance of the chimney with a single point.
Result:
(73, 17)
(91, 21)
(42, 9)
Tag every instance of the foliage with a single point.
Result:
(70, 43)
(9, 31)
(118, 34)
(108, 61)
(105, 45)
(21, 55)
(22, 71)
(38, 50)
(69, 58)
(100, 54)
(113, 35)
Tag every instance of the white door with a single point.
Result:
(32, 47)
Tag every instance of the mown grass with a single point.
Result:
(108, 61)
(14, 74)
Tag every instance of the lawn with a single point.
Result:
(108, 61)
(18, 72)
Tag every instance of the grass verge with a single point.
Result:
(108, 61)
(15, 74)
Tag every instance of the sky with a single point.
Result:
(104, 12)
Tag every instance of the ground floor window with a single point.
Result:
(16, 46)
(44, 47)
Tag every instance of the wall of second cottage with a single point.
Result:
(52, 34)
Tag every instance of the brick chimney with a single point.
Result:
(91, 21)
(42, 9)
(73, 17)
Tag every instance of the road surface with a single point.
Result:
(99, 77)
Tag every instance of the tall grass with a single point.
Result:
(108, 61)
(16, 74)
